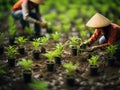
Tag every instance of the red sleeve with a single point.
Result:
(95, 36)
(18, 4)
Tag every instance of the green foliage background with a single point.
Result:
(67, 11)
(83, 8)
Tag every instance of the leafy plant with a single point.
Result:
(57, 28)
(26, 63)
(39, 85)
(12, 31)
(43, 40)
(74, 41)
(36, 43)
(66, 28)
(70, 67)
(11, 51)
(2, 35)
(93, 60)
(58, 50)
(111, 50)
(56, 36)
(12, 27)
(20, 41)
(29, 31)
(50, 55)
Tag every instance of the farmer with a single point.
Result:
(28, 11)
(109, 32)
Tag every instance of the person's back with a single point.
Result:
(17, 5)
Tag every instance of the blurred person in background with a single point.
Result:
(28, 11)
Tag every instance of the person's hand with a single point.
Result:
(93, 48)
(84, 44)
(42, 24)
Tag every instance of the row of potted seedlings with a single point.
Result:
(52, 55)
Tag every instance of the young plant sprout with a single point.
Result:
(74, 41)
(11, 51)
(66, 28)
(25, 63)
(43, 40)
(57, 28)
(70, 68)
(111, 50)
(58, 50)
(36, 43)
(56, 36)
(50, 55)
(27, 72)
(29, 31)
(39, 85)
(12, 31)
(10, 21)
(21, 41)
(93, 60)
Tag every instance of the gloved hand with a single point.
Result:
(84, 44)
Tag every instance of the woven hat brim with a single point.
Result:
(98, 21)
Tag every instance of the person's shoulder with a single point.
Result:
(25, 0)
(115, 25)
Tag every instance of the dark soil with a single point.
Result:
(108, 78)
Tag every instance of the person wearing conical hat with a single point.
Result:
(109, 32)
(28, 11)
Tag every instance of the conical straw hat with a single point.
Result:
(98, 21)
(37, 1)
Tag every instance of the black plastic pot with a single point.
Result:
(27, 76)
(50, 66)
(43, 50)
(1, 49)
(11, 62)
(70, 81)
(21, 50)
(111, 61)
(93, 70)
(11, 40)
(36, 55)
(74, 51)
(31, 37)
(58, 60)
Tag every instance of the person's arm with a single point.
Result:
(95, 36)
(28, 18)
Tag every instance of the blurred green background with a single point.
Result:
(61, 13)
(73, 8)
